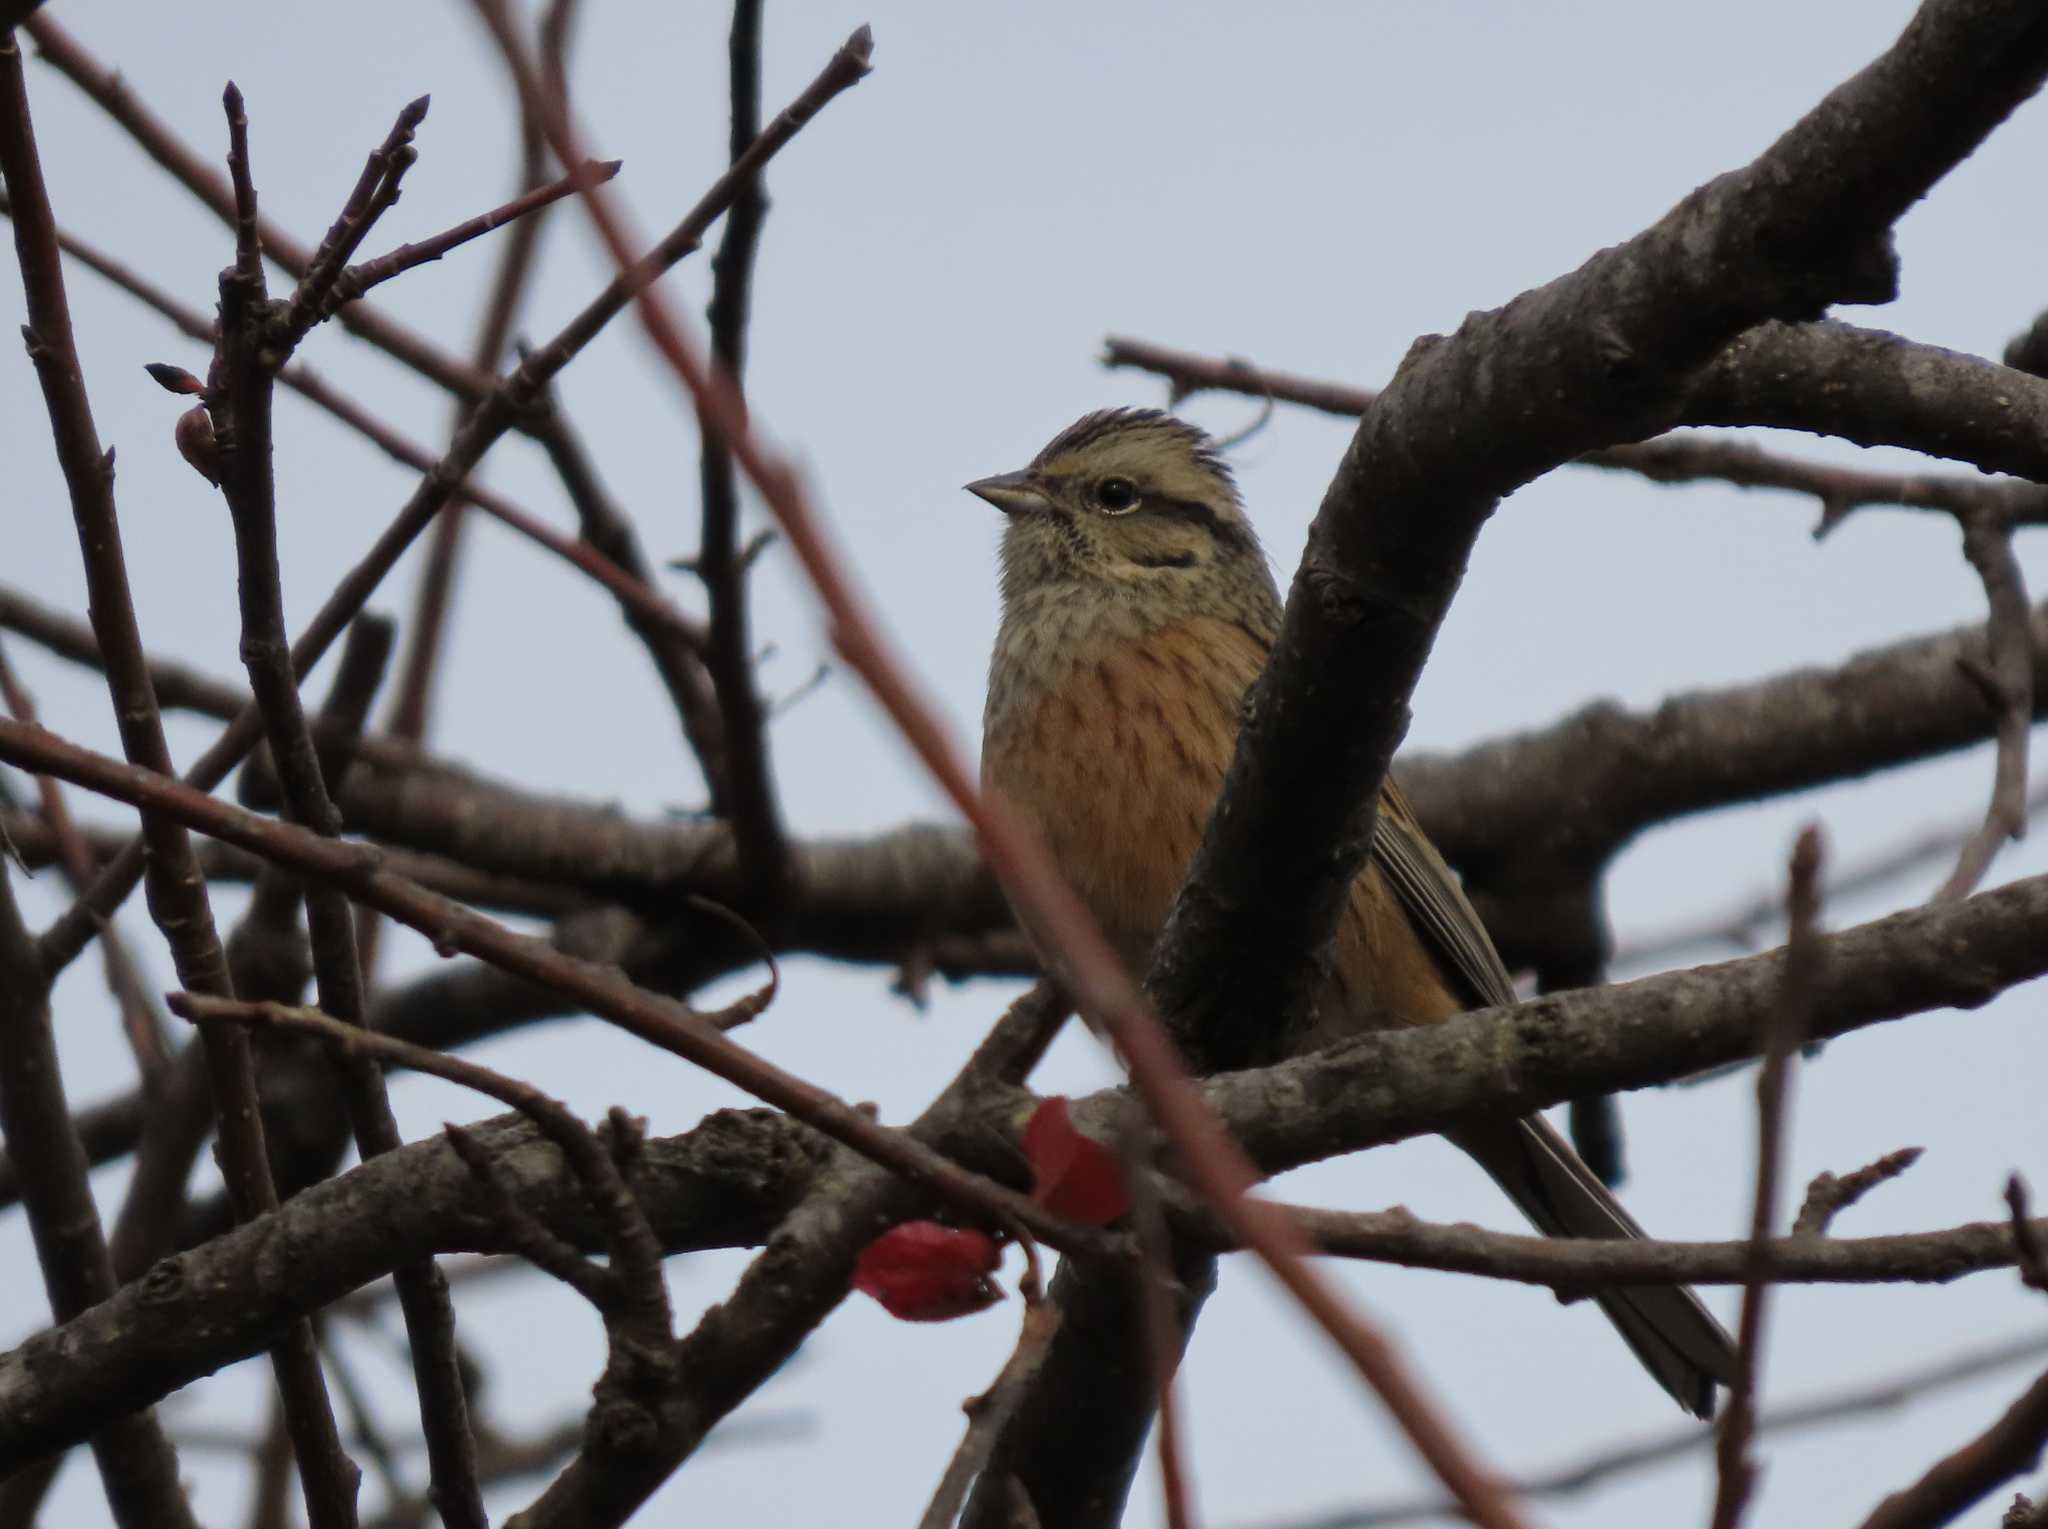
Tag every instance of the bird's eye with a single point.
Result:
(1116, 496)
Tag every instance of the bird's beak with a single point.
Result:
(1012, 493)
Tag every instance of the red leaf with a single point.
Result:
(1073, 1176)
(923, 1272)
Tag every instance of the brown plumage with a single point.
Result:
(1137, 611)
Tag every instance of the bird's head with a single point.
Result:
(1127, 498)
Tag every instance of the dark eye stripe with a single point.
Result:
(1197, 513)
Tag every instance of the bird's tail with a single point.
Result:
(1675, 1337)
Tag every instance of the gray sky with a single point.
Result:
(1308, 185)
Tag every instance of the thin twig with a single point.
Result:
(1579, 1266)
(363, 1429)
(1154, 1274)
(1830, 1194)
(1788, 1023)
(529, 1237)
(2026, 1237)
(989, 1412)
(248, 243)
(1987, 543)
(747, 790)
(358, 279)
(436, 590)
(376, 190)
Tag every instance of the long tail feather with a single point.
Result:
(1675, 1337)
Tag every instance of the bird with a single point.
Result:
(1137, 610)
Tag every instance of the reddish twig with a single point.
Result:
(1154, 1274)
(1104, 991)
(1735, 1473)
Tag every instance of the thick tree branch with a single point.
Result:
(1826, 378)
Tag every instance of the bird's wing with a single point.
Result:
(1430, 894)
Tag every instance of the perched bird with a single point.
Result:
(1137, 611)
